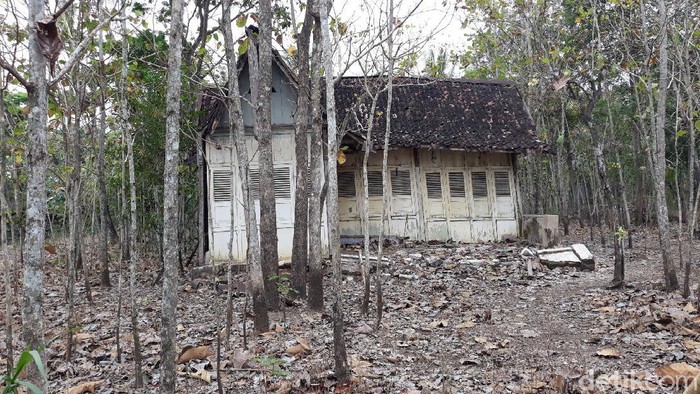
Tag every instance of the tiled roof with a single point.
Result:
(432, 113)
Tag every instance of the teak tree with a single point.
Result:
(237, 128)
(170, 201)
(44, 49)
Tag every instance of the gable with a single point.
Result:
(283, 106)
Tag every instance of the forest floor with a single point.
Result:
(457, 319)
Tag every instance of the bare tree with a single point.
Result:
(7, 264)
(133, 220)
(170, 201)
(102, 246)
(233, 103)
(260, 73)
(300, 241)
(342, 372)
(315, 285)
(659, 162)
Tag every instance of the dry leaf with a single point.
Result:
(201, 374)
(87, 387)
(469, 324)
(608, 352)
(690, 308)
(240, 357)
(677, 373)
(81, 336)
(195, 353)
(691, 345)
(359, 367)
(49, 41)
(439, 323)
(49, 248)
(304, 344)
(295, 350)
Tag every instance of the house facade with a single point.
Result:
(222, 180)
(453, 147)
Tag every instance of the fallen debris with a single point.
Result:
(577, 256)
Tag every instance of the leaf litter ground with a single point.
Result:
(458, 318)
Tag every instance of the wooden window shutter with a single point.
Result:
(346, 184)
(457, 189)
(401, 182)
(222, 185)
(434, 185)
(283, 182)
(502, 180)
(254, 185)
(375, 183)
(479, 188)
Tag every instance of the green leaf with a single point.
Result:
(31, 387)
(697, 124)
(681, 133)
(243, 47)
(39, 365)
(240, 22)
(24, 359)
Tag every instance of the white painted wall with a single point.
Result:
(220, 160)
(463, 196)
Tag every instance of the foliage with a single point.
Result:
(12, 383)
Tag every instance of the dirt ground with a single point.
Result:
(458, 318)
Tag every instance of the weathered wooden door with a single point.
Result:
(458, 205)
(434, 202)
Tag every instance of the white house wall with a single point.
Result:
(220, 160)
(468, 197)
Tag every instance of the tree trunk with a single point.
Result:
(132, 248)
(170, 202)
(261, 93)
(365, 207)
(7, 264)
(103, 246)
(315, 290)
(33, 284)
(384, 225)
(73, 147)
(670, 277)
(342, 371)
(233, 102)
(300, 242)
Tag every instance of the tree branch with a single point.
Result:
(78, 53)
(13, 71)
(62, 9)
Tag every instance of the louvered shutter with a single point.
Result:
(457, 189)
(283, 183)
(375, 184)
(401, 183)
(433, 185)
(479, 186)
(222, 185)
(502, 181)
(346, 184)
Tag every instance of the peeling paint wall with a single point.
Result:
(435, 195)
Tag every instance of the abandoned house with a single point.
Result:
(452, 155)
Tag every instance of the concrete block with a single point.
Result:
(541, 230)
